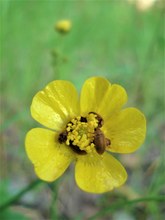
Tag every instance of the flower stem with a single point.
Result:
(120, 204)
(53, 207)
(20, 194)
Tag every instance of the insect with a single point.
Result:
(100, 141)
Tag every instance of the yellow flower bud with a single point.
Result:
(63, 26)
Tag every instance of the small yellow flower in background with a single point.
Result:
(84, 130)
(63, 26)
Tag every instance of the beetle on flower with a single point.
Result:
(84, 130)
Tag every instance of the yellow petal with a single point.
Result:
(98, 174)
(113, 101)
(92, 93)
(50, 158)
(99, 96)
(127, 130)
(56, 104)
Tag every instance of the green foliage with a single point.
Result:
(12, 215)
(108, 38)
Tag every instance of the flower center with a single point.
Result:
(83, 134)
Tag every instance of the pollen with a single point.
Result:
(80, 133)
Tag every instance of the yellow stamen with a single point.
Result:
(81, 134)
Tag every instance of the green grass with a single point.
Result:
(108, 38)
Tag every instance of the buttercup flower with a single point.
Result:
(63, 26)
(84, 130)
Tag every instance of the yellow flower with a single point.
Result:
(63, 26)
(84, 130)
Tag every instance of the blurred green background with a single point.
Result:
(114, 39)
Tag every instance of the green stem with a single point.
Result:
(120, 204)
(20, 194)
(53, 208)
